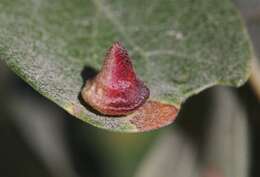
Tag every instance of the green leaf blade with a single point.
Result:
(179, 48)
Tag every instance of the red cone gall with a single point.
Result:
(116, 90)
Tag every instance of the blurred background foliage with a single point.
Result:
(215, 135)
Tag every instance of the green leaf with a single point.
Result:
(179, 48)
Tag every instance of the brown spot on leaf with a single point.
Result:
(153, 115)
